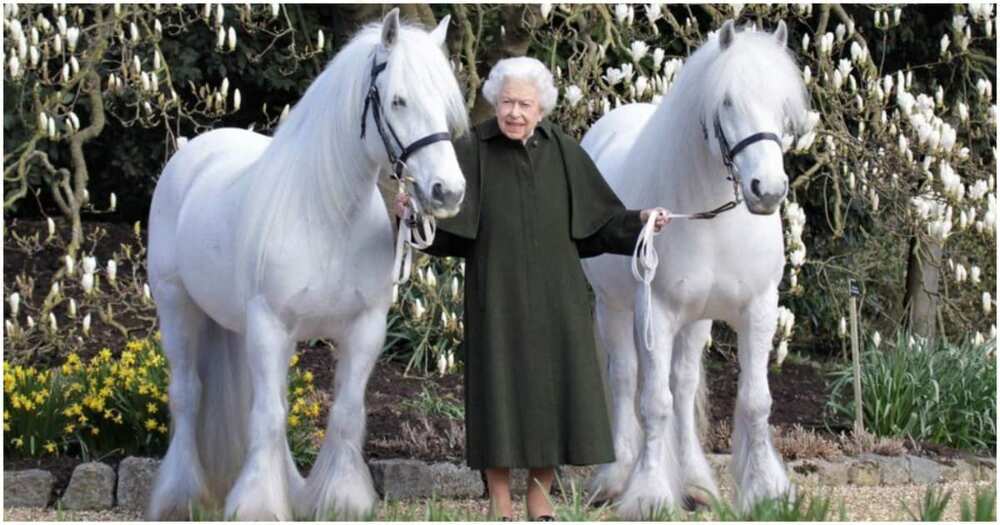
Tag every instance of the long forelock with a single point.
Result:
(756, 70)
(417, 66)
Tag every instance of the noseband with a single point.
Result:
(374, 101)
(728, 154)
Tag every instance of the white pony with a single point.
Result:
(740, 90)
(256, 243)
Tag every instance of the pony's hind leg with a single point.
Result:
(614, 334)
(340, 484)
(262, 490)
(756, 466)
(685, 376)
(180, 481)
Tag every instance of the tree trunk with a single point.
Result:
(922, 287)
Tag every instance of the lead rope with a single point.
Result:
(644, 263)
(409, 237)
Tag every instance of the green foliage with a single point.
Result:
(930, 391)
(932, 506)
(984, 508)
(429, 403)
(425, 323)
(785, 508)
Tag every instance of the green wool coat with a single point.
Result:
(533, 390)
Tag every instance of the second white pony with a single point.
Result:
(722, 119)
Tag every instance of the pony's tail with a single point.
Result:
(225, 407)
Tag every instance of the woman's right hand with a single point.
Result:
(401, 203)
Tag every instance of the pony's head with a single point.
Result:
(755, 93)
(419, 100)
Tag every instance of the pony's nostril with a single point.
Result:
(437, 191)
(755, 187)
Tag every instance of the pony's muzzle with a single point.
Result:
(445, 201)
(765, 199)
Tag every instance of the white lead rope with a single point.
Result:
(408, 238)
(644, 263)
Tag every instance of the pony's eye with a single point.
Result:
(398, 102)
(727, 102)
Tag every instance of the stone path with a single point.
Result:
(872, 487)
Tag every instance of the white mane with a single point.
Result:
(315, 170)
(754, 70)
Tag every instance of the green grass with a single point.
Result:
(430, 403)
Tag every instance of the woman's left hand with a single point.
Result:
(663, 217)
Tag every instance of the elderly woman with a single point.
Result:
(534, 205)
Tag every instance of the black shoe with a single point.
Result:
(545, 517)
(505, 518)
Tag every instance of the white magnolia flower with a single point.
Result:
(621, 13)
(798, 257)
(876, 339)
(15, 303)
(86, 324)
(573, 95)
(974, 274)
(454, 288)
(274, 10)
(840, 31)
(658, 55)
(30, 322)
(638, 50)
(220, 14)
(52, 323)
(842, 328)
(945, 42)
(786, 321)
(451, 360)
(220, 38)
(897, 14)
(89, 264)
(613, 76)
(72, 307)
(320, 40)
(805, 42)
(958, 23)
(51, 223)
(806, 75)
(987, 303)
(231, 39)
(546, 8)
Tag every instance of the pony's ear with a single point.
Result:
(441, 31)
(390, 28)
(727, 34)
(781, 34)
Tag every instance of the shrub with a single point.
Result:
(939, 392)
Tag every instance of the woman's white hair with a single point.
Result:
(522, 68)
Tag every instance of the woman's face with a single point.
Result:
(518, 110)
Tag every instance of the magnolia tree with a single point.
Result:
(71, 69)
(893, 178)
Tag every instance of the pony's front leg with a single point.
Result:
(756, 466)
(261, 492)
(654, 484)
(340, 484)
(689, 345)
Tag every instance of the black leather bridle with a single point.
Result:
(728, 154)
(374, 101)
